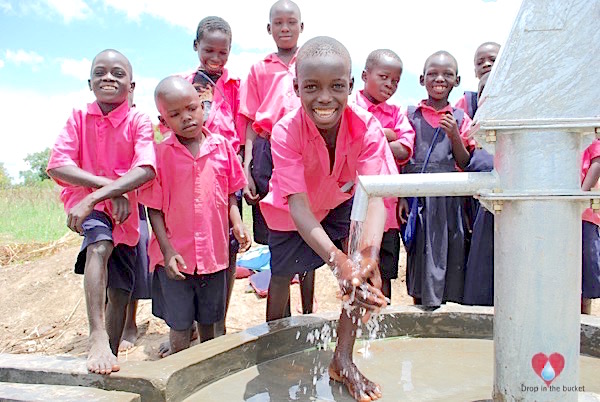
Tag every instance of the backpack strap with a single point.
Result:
(410, 113)
(459, 115)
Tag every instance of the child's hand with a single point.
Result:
(120, 208)
(77, 215)
(403, 210)
(449, 125)
(390, 135)
(243, 236)
(250, 191)
(172, 263)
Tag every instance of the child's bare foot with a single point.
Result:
(128, 339)
(164, 349)
(100, 359)
(359, 386)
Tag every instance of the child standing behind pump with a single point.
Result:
(435, 262)
(590, 173)
(381, 76)
(485, 57)
(190, 204)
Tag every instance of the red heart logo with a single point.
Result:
(548, 368)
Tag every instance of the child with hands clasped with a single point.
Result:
(104, 153)
(436, 259)
(381, 76)
(318, 151)
(190, 204)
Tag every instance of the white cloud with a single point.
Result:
(24, 57)
(5, 6)
(1, 63)
(414, 30)
(70, 9)
(79, 69)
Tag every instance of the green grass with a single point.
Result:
(31, 213)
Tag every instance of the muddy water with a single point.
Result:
(408, 369)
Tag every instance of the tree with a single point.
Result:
(37, 162)
(4, 177)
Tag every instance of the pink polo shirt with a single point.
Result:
(591, 152)
(268, 93)
(193, 194)
(301, 163)
(390, 116)
(107, 146)
(224, 117)
(433, 116)
(462, 103)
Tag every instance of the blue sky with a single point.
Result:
(46, 48)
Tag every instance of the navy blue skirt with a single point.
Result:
(291, 255)
(590, 277)
(479, 275)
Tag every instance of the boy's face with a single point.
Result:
(323, 84)
(181, 110)
(382, 78)
(439, 77)
(213, 50)
(485, 56)
(285, 26)
(110, 78)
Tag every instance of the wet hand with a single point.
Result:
(120, 208)
(242, 236)
(172, 263)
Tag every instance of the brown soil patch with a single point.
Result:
(43, 308)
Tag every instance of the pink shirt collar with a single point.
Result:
(207, 146)
(273, 58)
(115, 117)
(365, 103)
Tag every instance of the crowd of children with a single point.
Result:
(292, 140)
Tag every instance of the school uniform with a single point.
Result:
(224, 117)
(590, 234)
(193, 194)
(301, 165)
(265, 97)
(390, 116)
(435, 262)
(479, 272)
(108, 146)
(468, 103)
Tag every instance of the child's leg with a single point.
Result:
(101, 359)
(342, 367)
(116, 310)
(278, 298)
(130, 330)
(178, 340)
(586, 306)
(307, 291)
(206, 332)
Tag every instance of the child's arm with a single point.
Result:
(402, 146)
(399, 150)
(172, 258)
(390, 135)
(78, 177)
(315, 236)
(459, 151)
(250, 193)
(592, 175)
(239, 229)
(128, 182)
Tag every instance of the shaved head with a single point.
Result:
(322, 46)
(170, 88)
(441, 54)
(285, 5)
(112, 53)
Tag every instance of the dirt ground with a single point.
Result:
(43, 308)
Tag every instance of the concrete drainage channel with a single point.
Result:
(188, 373)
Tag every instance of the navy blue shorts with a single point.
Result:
(122, 263)
(389, 254)
(199, 298)
(291, 255)
(142, 288)
(261, 170)
(590, 277)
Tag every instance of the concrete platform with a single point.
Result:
(42, 392)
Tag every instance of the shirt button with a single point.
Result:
(197, 234)
(195, 164)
